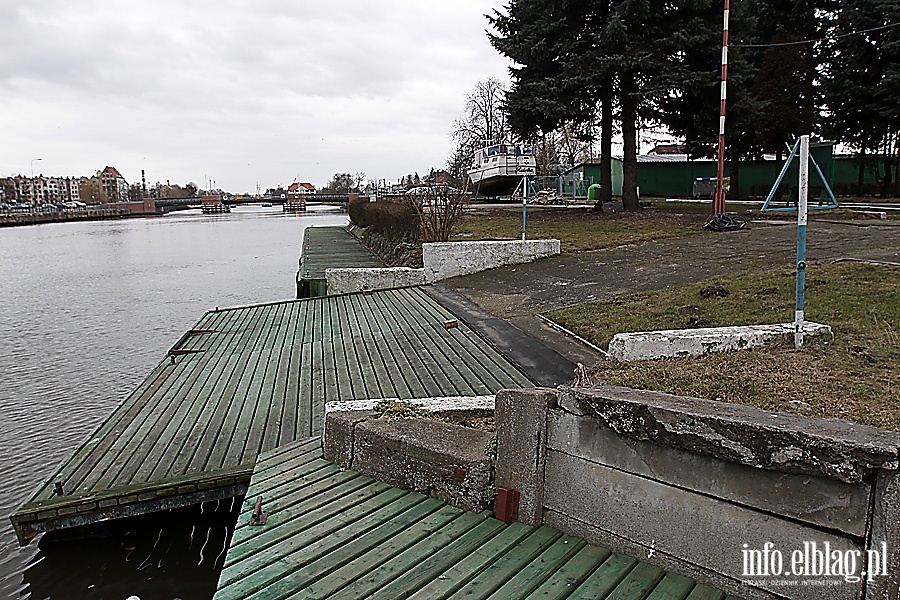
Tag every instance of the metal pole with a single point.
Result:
(524, 185)
(719, 203)
(802, 205)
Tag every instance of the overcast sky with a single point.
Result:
(241, 92)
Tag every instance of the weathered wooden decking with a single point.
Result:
(247, 380)
(338, 534)
(331, 248)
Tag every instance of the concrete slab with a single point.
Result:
(443, 260)
(671, 343)
(435, 405)
(350, 280)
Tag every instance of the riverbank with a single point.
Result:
(89, 214)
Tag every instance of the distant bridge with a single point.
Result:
(173, 204)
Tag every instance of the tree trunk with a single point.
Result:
(734, 172)
(606, 127)
(630, 199)
(861, 176)
(606, 135)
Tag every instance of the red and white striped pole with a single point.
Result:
(719, 201)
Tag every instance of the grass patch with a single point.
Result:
(579, 229)
(855, 377)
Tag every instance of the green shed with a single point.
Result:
(673, 175)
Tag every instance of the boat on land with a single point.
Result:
(499, 169)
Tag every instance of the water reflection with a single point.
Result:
(177, 554)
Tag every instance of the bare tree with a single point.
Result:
(484, 123)
(565, 146)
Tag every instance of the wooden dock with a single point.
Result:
(332, 248)
(338, 534)
(250, 379)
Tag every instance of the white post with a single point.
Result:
(802, 204)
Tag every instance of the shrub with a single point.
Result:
(395, 219)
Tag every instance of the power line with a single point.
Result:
(813, 41)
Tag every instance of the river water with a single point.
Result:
(86, 311)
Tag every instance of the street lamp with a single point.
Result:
(32, 179)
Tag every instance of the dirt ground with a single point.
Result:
(518, 293)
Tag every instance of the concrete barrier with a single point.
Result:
(347, 281)
(443, 260)
(442, 460)
(670, 343)
(700, 487)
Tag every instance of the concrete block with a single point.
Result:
(441, 460)
(339, 432)
(818, 501)
(670, 343)
(521, 422)
(443, 260)
(347, 281)
(706, 531)
(886, 536)
(841, 450)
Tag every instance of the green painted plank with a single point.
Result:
(395, 362)
(78, 468)
(453, 346)
(360, 355)
(247, 446)
(114, 467)
(280, 488)
(386, 561)
(303, 510)
(332, 247)
(275, 572)
(237, 421)
(252, 416)
(505, 567)
(703, 592)
(500, 370)
(672, 587)
(605, 578)
(173, 429)
(564, 580)
(199, 440)
(295, 422)
(536, 572)
(438, 562)
(225, 404)
(450, 581)
(369, 338)
(406, 356)
(638, 583)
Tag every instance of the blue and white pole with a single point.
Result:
(802, 203)
(524, 185)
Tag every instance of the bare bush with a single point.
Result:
(396, 219)
(439, 208)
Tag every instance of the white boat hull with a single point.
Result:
(498, 173)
